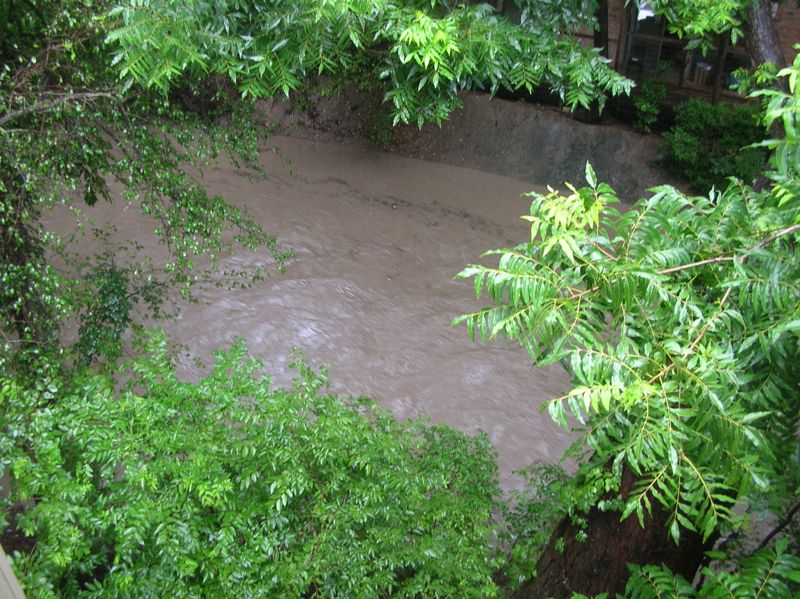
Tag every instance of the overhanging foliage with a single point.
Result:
(68, 132)
(678, 319)
(426, 51)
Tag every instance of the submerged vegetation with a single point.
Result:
(677, 320)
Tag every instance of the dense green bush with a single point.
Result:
(708, 143)
(231, 488)
(647, 101)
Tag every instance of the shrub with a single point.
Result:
(647, 99)
(648, 104)
(229, 487)
(708, 143)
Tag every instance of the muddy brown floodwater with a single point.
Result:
(378, 239)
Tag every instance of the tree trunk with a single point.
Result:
(764, 45)
(601, 33)
(599, 564)
(761, 35)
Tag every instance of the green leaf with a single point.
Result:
(591, 178)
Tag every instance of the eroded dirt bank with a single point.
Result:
(528, 142)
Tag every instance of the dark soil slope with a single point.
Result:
(531, 143)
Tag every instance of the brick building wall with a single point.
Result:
(616, 28)
(787, 21)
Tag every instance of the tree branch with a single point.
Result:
(698, 263)
(50, 104)
(742, 259)
(716, 260)
(697, 339)
(783, 524)
(778, 235)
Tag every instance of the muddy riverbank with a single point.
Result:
(528, 142)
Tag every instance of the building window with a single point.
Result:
(650, 51)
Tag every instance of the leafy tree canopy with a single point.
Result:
(425, 52)
(69, 130)
(699, 19)
(230, 487)
(678, 318)
(94, 91)
(679, 321)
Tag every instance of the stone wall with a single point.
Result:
(525, 141)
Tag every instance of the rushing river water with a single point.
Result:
(378, 239)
